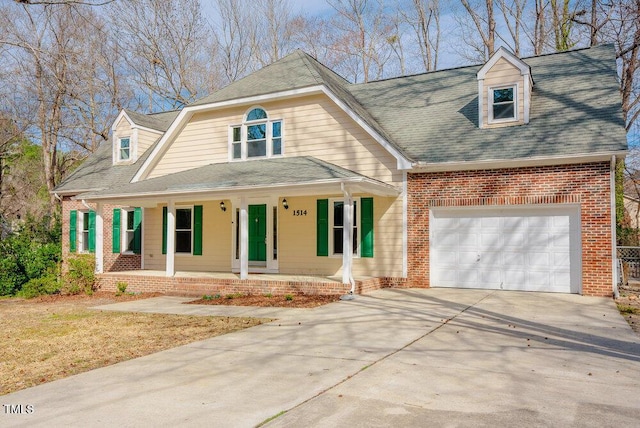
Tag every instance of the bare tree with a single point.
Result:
(235, 38)
(273, 36)
(512, 13)
(164, 44)
(424, 18)
(483, 17)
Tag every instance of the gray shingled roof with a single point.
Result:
(433, 117)
(159, 121)
(294, 71)
(222, 176)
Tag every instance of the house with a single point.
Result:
(293, 179)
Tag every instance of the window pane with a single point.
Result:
(183, 218)
(502, 95)
(503, 111)
(277, 146)
(183, 241)
(257, 113)
(257, 132)
(130, 241)
(256, 148)
(129, 220)
(85, 221)
(338, 219)
(337, 240)
(124, 148)
(237, 150)
(276, 130)
(237, 134)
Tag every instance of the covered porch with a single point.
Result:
(233, 226)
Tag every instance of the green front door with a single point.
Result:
(257, 233)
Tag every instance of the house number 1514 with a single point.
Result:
(298, 213)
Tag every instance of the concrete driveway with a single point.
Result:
(438, 357)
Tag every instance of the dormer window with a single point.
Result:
(124, 149)
(504, 91)
(503, 104)
(257, 137)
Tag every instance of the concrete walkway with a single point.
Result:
(437, 357)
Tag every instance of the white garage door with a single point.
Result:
(533, 249)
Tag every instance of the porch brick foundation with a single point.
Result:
(583, 184)
(200, 286)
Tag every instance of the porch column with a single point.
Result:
(99, 239)
(244, 238)
(171, 239)
(347, 237)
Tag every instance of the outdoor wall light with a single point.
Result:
(222, 206)
(285, 204)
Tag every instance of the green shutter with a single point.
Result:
(137, 227)
(73, 225)
(366, 224)
(322, 228)
(164, 230)
(92, 231)
(197, 230)
(116, 231)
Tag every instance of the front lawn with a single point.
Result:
(53, 337)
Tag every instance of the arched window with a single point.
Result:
(257, 137)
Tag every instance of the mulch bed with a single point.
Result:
(294, 300)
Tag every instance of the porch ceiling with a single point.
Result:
(285, 176)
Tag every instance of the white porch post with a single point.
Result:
(171, 239)
(99, 239)
(244, 238)
(347, 237)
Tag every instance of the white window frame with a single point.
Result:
(516, 113)
(124, 214)
(244, 134)
(356, 200)
(183, 207)
(119, 149)
(83, 242)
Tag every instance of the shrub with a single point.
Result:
(47, 284)
(81, 275)
(288, 296)
(11, 274)
(122, 287)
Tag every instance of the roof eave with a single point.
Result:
(516, 163)
(356, 184)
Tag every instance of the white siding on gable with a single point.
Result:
(312, 126)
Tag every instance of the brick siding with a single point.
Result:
(200, 286)
(584, 184)
(112, 262)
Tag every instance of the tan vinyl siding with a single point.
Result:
(123, 128)
(312, 126)
(297, 240)
(503, 73)
(216, 240)
(152, 225)
(145, 140)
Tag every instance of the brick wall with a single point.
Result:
(112, 262)
(194, 286)
(585, 184)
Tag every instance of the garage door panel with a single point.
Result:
(533, 248)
